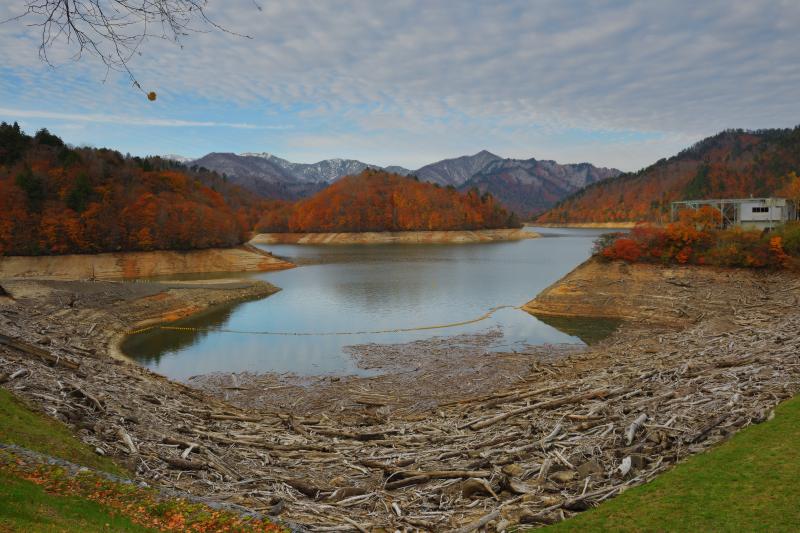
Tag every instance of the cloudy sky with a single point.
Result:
(410, 82)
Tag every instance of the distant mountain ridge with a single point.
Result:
(458, 170)
(526, 186)
(530, 187)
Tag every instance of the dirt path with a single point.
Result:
(465, 440)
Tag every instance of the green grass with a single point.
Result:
(749, 483)
(25, 506)
(21, 426)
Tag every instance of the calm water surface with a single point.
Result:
(370, 288)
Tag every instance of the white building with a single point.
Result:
(749, 213)
(765, 213)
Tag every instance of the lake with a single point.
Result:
(341, 290)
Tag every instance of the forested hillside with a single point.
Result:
(376, 200)
(55, 200)
(731, 164)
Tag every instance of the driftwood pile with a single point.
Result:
(580, 431)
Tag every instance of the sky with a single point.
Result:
(407, 82)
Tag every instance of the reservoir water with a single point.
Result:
(341, 289)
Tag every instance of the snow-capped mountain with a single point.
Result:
(322, 171)
(178, 158)
(526, 186)
(273, 176)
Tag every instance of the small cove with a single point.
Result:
(356, 288)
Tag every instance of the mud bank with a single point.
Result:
(585, 225)
(399, 237)
(642, 292)
(140, 264)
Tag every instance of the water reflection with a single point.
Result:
(372, 287)
(588, 329)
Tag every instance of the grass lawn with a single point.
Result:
(749, 483)
(25, 506)
(24, 427)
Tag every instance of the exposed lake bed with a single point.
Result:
(424, 434)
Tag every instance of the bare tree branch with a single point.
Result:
(114, 30)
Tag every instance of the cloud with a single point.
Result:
(453, 76)
(129, 121)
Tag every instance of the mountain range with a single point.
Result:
(525, 186)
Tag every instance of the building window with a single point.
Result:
(761, 210)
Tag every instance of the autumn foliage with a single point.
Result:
(695, 240)
(732, 164)
(144, 507)
(56, 200)
(376, 200)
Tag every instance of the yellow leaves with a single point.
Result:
(151, 96)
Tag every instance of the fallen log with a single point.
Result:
(127, 440)
(634, 427)
(416, 477)
(77, 391)
(38, 352)
(707, 428)
(184, 464)
(597, 393)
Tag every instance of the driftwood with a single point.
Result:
(634, 427)
(183, 464)
(38, 352)
(127, 440)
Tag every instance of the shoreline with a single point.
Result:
(124, 265)
(584, 225)
(397, 237)
(314, 432)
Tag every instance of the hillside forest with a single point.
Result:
(56, 200)
(376, 200)
(731, 164)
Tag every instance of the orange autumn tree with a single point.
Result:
(55, 200)
(791, 190)
(376, 200)
(698, 240)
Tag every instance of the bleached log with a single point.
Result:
(127, 440)
(634, 427)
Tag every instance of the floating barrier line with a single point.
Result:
(327, 333)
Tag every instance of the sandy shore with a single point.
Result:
(140, 264)
(444, 422)
(400, 237)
